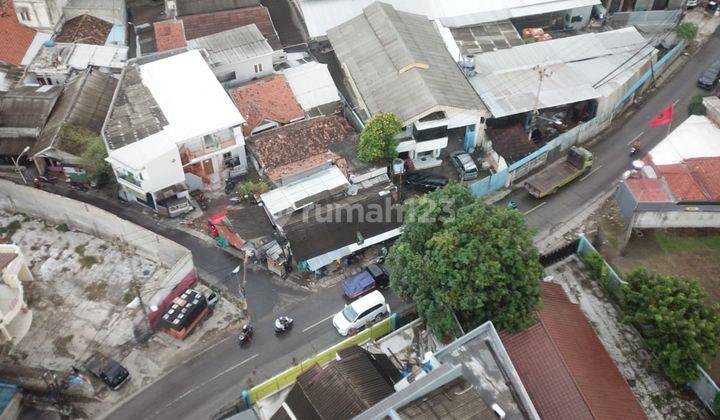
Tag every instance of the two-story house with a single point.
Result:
(397, 62)
(172, 98)
(41, 15)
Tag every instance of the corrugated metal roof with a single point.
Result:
(84, 103)
(193, 7)
(27, 106)
(507, 80)
(233, 45)
(86, 55)
(291, 197)
(399, 63)
(321, 15)
(312, 84)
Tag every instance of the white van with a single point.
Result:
(359, 313)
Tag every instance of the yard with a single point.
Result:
(682, 252)
(82, 300)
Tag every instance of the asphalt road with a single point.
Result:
(611, 153)
(212, 379)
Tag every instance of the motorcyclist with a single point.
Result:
(246, 333)
(282, 322)
(635, 147)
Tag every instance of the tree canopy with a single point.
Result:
(679, 327)
(376, 139)
(458, 256)
(93, 156)
(687, 31)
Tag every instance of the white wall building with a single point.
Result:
(172, 98)
(41, 15)
(237, 55)
(15, 317)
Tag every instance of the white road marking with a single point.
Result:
(676, 101)
(591, 172)
(196, 387)
(635, 138)
(318, 323)
(535, 208)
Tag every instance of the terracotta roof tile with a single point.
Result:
(565, 368)
(6, 258)
(204, 24)
(306, 164)
(706, 172)
(298, 141)
(84, 29)
(169, 35)
(647, 189)
(269, 98)
(14, 37)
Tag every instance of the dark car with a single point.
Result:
(709, 78)
(108, 370)
(426, 182)
(373, 277)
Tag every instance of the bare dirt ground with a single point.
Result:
(625, 345)
(681, 252)
(82, 300)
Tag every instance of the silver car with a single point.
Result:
(464, 164)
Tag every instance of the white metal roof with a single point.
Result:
(284, 199)
(507, 80)
(191, 98)
(233, 45)
(321, 261)
(321, 15)
(312, 84)
(138, 154)
(696, 137)
(85, 55)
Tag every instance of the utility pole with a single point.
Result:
(542, 74)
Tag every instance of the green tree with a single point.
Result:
(696, 106)
(376, 139)
(459, 256)
(678, 326)
(93, 157)
(687, 31)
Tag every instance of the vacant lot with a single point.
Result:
(682, 252)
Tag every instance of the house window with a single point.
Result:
(24, 13)
(576, 19)
(41, 81)
(258, 68)
(209, 141)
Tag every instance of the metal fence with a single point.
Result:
(704, 387)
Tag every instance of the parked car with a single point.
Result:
(464, 164)
(710, 77)
(425, 182)
(372, 277)
(108, 370)
(355, 316)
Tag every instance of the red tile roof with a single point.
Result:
(298, 141)
(706, 172)
(681, 182)
(647, 189)
(269, 98)
(169, 35)
(565, 368)
(84, 29)
(204, 24)
(14, 37)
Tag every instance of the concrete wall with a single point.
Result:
(676, 219)
(245, 70)
(580, 12)
(81, 216)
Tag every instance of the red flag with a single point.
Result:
(663, 118)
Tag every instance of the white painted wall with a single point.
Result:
(245, 70)
(677, 219)
(43, 14)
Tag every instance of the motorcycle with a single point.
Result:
(634, 151)
(245, 335)
(283, 324)
(511, 205)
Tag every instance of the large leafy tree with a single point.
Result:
(93, 156)
(679, 327)
(376, 139)
(459, 257)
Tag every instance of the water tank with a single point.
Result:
(49, 43)
(398, 166)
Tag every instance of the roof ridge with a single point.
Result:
(562, 357)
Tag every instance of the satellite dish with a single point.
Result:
(638, 164)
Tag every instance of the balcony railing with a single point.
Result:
(197, 153)
(131, 179)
